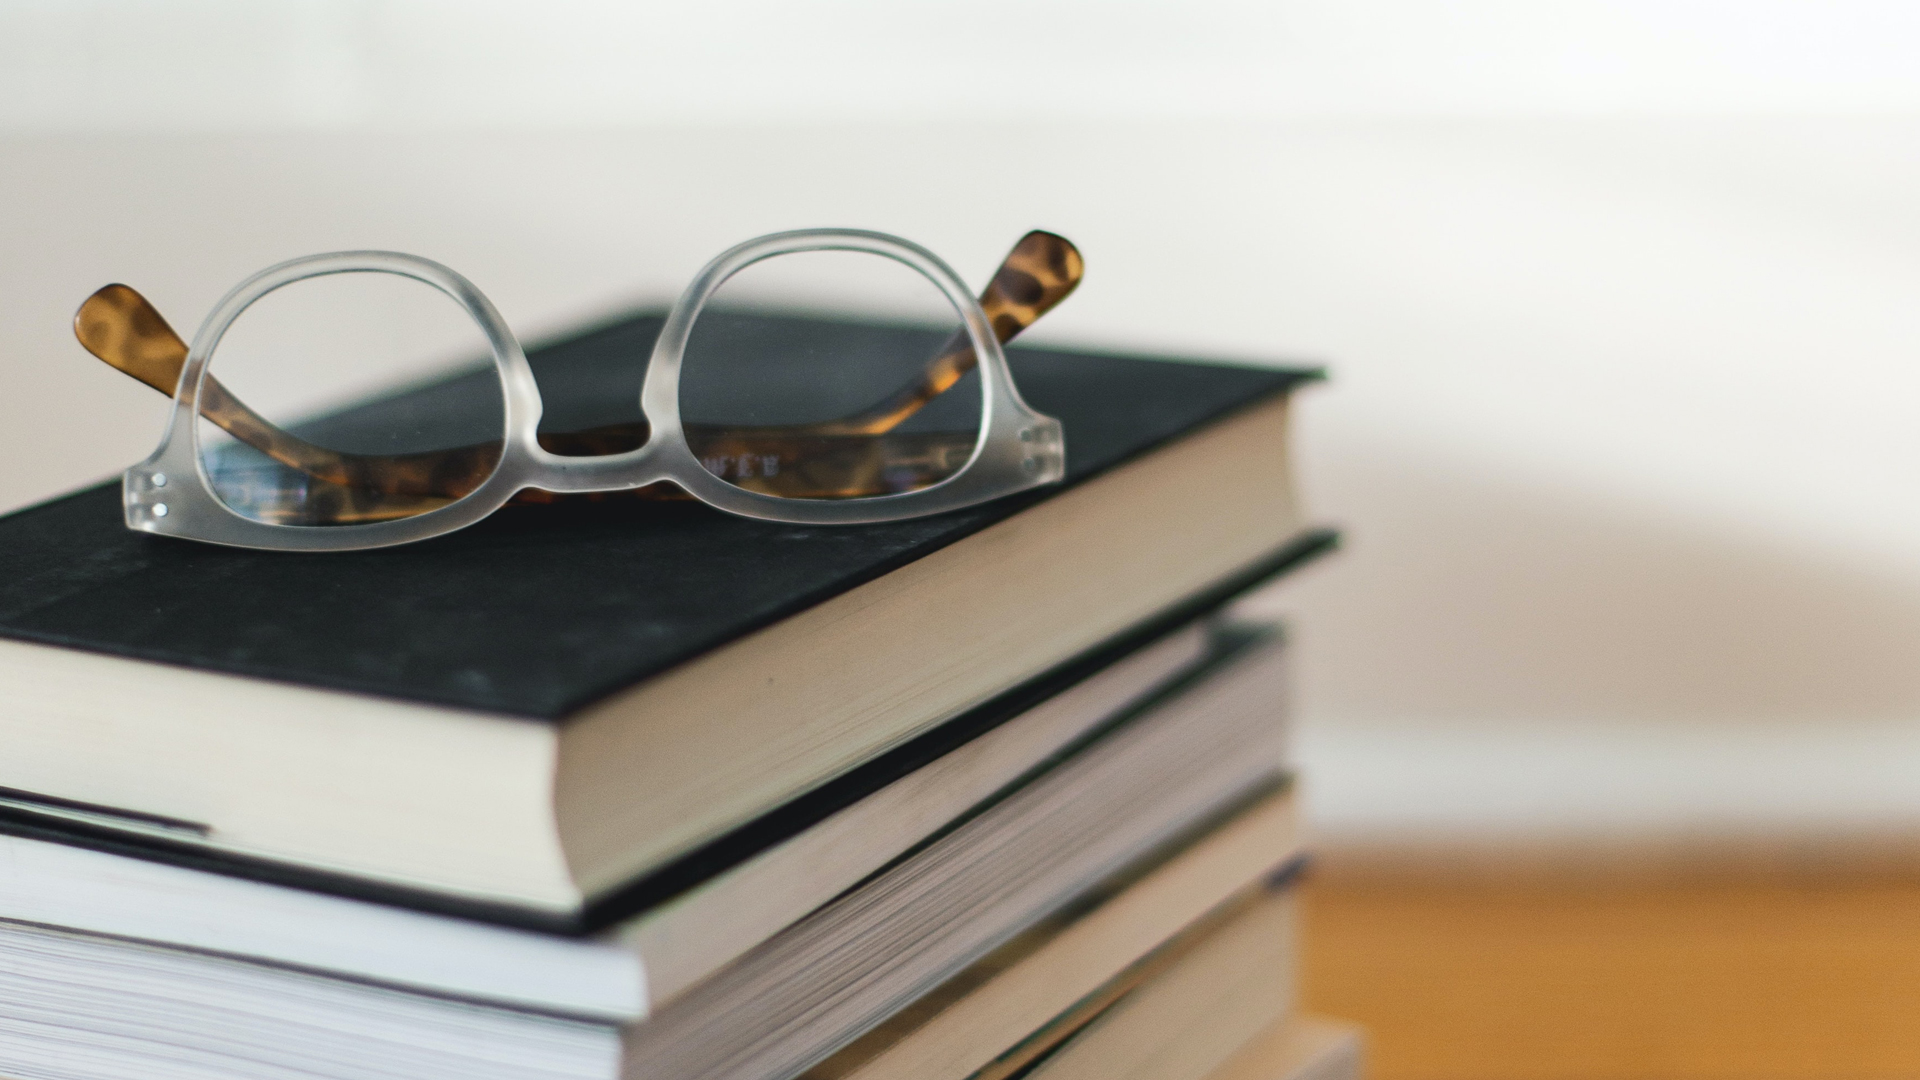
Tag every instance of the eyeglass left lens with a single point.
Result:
(830, 375)
(349, 399)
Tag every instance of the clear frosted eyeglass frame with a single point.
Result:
(170, 493)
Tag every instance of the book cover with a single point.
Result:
(542, 610)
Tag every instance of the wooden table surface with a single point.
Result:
(1534, 977)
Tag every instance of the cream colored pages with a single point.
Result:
(1188, 1019)
(1086, 954)
(441, 799)
(692, 935)
(1300, 1048)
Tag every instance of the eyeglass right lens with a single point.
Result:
(830, 375)
(348, 399)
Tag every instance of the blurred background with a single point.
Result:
(1618, 299)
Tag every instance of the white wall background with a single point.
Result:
(1619, 299)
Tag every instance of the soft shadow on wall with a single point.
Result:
(1506, 671)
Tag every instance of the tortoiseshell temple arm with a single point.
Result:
(836, 459)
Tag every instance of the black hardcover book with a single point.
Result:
(534, 713)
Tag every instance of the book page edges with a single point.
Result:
(692, 935)
(1303, 1047)
(1189, 1019)
(411, 795)
(1088, 952)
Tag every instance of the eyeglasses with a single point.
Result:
(757, 407)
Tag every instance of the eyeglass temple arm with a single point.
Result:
(119, 326)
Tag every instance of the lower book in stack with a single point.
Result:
(1097, 887)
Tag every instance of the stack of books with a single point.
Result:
(647, 791)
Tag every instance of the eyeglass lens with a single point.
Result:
(347, 399)
(830, 375)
